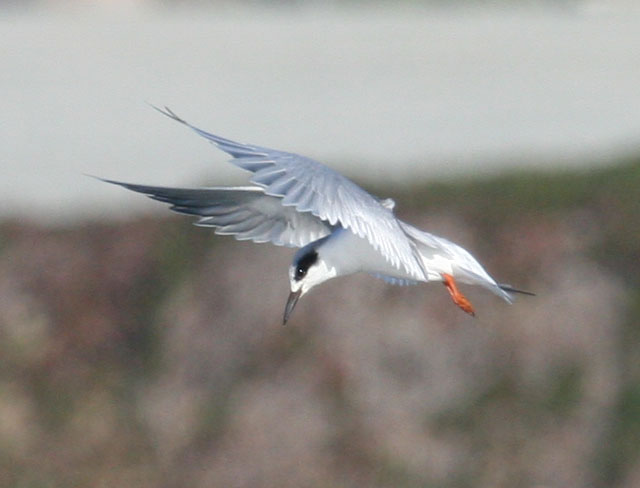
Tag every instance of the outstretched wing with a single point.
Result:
(246, 212)
(309, 186)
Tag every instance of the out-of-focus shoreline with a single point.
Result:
(386, 95)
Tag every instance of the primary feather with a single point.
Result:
(245, 212)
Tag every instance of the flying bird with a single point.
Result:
(339, 228)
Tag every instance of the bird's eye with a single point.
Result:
(304, 264)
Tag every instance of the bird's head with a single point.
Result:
(307, 270)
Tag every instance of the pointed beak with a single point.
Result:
(294, 296)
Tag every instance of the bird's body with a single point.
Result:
(347, 253)
(340, 228)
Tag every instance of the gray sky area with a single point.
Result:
(386, 94)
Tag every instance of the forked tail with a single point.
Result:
(511, 289)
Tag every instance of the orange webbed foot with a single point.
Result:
(458, 298)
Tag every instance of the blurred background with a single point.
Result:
(139, 350)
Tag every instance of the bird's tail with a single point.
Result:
(511, 289)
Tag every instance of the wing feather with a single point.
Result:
(324, 193)
(247, 213)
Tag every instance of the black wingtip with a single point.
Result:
(166, 111)
(510, 289)
(106, 180)
(129, 186)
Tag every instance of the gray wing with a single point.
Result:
(247, 213)
(309, 186)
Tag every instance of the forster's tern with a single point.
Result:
(339, 227)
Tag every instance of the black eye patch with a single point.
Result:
(304, 264)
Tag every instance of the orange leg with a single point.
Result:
(458, 298)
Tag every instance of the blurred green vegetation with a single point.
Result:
(112, 363)
(610, 199)
(606, 198)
